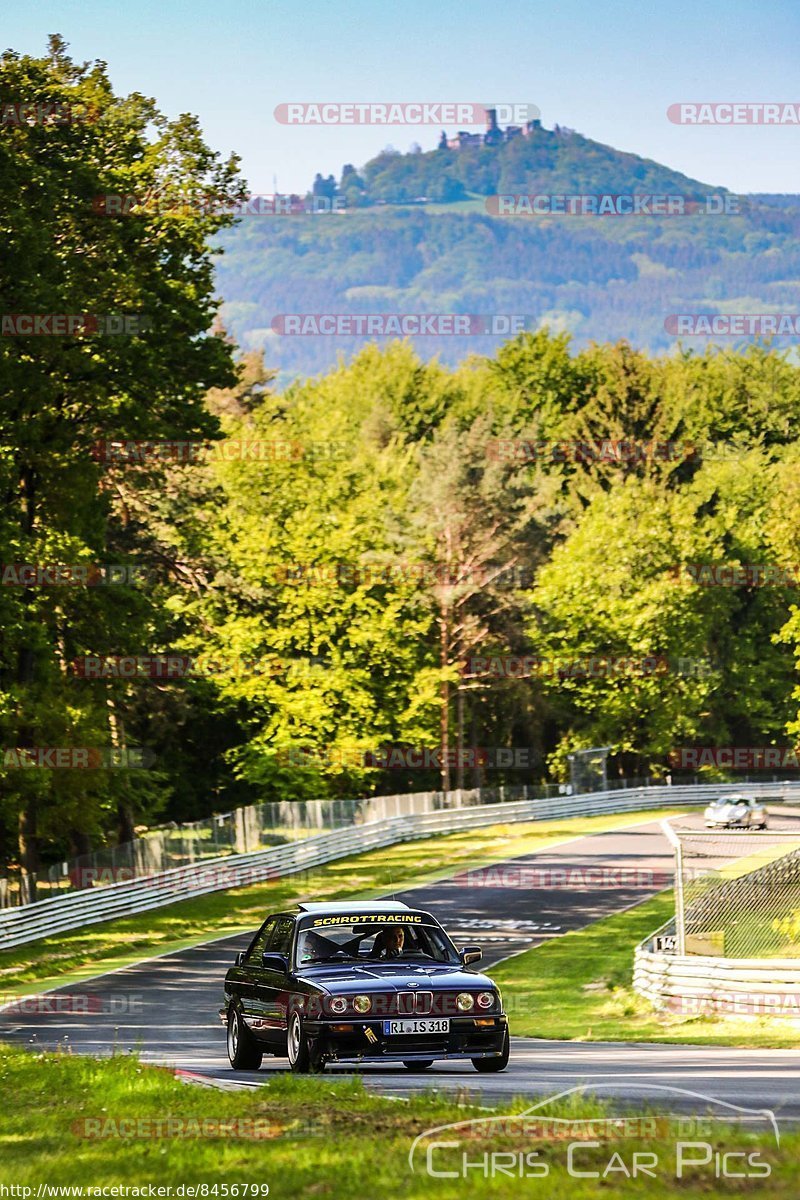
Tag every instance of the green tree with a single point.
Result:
(68, 251)
(615, 590)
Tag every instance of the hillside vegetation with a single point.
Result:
(598, 277)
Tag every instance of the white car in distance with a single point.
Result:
(736, 812)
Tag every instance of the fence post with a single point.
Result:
(240, 832)
(680, 912)
(680, 916)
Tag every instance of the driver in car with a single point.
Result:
(389, 942)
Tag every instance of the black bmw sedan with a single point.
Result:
(374, 982)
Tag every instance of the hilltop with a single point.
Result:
(418, 235)
(505, 160)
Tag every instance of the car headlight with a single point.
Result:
(362, 1004)
(464, 1001)
(339, 1005)
(485, 999)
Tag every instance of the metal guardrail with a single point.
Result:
(694, 984)
(74, 910)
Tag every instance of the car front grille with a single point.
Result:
(414, 1003)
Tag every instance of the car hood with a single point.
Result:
(723, 809)
(358, 977)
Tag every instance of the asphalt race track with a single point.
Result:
(166, 1008)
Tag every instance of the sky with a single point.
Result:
(606, 68)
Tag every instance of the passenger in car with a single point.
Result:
(312, 947)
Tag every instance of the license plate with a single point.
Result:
(420, 1025)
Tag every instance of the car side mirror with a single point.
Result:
(237, 962)
(274, 962)
(471, 954)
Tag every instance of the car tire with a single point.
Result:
(244, 1052)
(302, 1059)
(422, 1065)
(485, 1065)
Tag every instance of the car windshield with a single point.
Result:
(372, 940)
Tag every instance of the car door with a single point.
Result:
(272, 985)
(252, 970)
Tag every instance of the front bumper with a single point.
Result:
(365, 1042)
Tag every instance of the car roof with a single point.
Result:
(369, 906)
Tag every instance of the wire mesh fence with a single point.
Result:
(256, 827)
(738, 893)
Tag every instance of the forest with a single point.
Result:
(217, 588)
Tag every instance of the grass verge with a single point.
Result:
(578, 986)
(69, 957)
(85, 1122)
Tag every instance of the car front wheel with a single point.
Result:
(244, 1052)
(484, 1065)
(302, 1058)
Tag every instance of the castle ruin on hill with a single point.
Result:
(494, 135)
